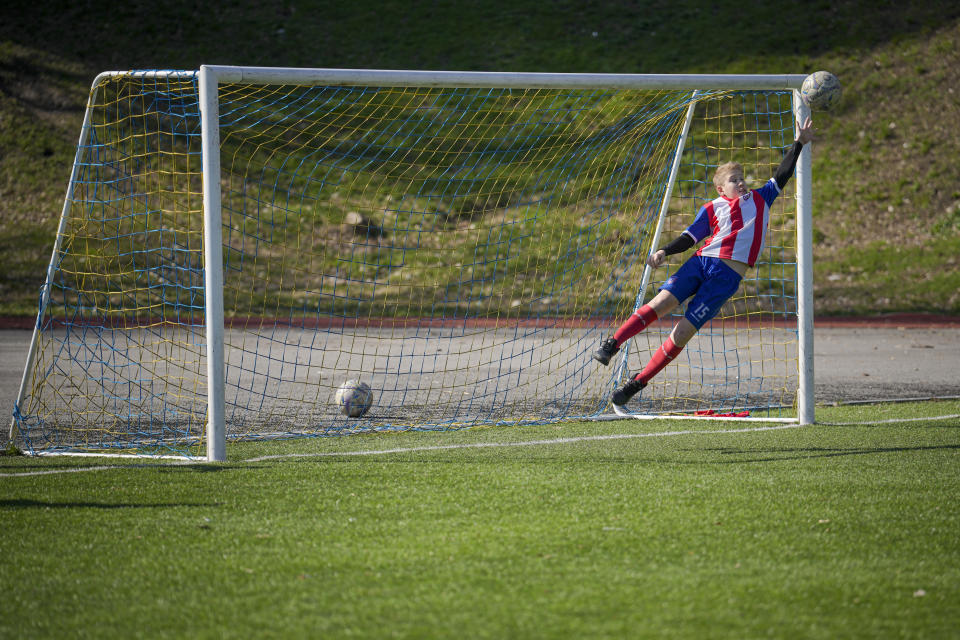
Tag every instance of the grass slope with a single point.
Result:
(885, 171)
(823, 531)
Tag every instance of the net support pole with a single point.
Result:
(805, 391)
(664, 207)
(213, 266)
(51, 267)
(665, 203)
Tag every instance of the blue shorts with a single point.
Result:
(709, 281)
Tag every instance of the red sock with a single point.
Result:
(636, 323)
(661, 358)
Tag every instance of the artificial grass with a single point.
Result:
(818, 531)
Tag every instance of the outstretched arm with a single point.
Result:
(693, 234)
(789, 163)
(805, 131)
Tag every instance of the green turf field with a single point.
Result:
(661, 529)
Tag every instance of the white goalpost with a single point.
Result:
(237, 242)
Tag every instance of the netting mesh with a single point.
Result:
(462, 251)
(746, 358)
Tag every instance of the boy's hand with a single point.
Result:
(805, 131)
(656, 258)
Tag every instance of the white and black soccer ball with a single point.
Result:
(821, 91)
(354, 398)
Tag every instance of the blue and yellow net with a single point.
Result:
(462, 251)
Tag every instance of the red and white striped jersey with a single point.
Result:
(737, 227)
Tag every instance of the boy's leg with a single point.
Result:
(669, 350)
(665, 354)
(722, 283)
(662, 304)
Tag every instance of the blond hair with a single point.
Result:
(724, 171)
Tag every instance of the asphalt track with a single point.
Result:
(854, 361)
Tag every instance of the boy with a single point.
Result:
(736, 223)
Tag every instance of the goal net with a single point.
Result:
(459, 242)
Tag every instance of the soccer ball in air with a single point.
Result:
(354, 398)
(821, 91)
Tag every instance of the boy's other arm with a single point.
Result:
(691, 236)
(680, 244)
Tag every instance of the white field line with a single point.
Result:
(444, 447)
(54, 471)
(492, 445)
(615, 436)
(525, 443)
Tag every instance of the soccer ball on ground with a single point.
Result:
(821, 91)
(354, 398)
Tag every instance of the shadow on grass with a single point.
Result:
(31, 470)
(807, 453)
(23, 503)
(507, 456)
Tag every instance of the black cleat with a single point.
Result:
(606, 351)
(622, 395)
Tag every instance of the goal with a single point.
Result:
(237, 242)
